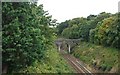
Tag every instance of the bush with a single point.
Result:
(103, 67)
(108, 68)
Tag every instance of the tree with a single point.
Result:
(106, 32)
(25, 38)
(62, 26)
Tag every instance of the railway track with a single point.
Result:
(79, 67)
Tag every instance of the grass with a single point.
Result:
(104, 58)
(52, 63)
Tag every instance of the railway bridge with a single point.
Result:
(66, 44)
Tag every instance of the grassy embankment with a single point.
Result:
(102, 59)
(52, 63)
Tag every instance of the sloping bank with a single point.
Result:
(51, 63)
(98, 58)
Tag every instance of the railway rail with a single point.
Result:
(76, 64)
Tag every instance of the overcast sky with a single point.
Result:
(67, 9)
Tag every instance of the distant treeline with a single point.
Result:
(102, 29)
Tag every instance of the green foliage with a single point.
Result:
(103, 58)
(106, 33)
(61, 27)
(103, 29)
(52, 63)
(25, 34)
(76, 29)
(68, 34)
(84, 26)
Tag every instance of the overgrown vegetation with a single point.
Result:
(102, 29)
(52, 63)
(27, 40)
(101, 58)
(101, 36)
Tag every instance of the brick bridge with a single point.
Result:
(66, 44)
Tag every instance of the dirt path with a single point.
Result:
(76, 64)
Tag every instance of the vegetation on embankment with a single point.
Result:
(103, 59)
(27, 40)
(51, 63)
(102, 34)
